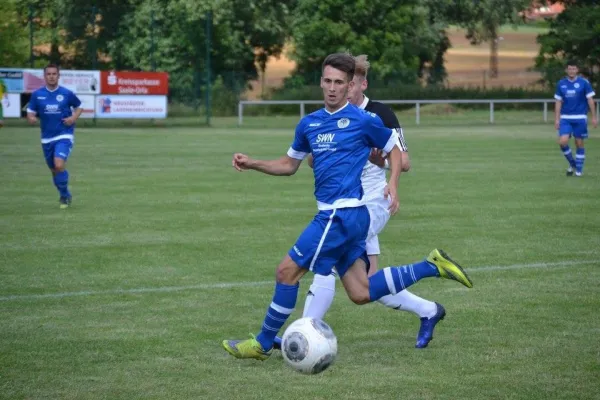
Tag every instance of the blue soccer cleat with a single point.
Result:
(428, 325)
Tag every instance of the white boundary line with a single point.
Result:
(227, 285)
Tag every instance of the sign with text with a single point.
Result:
(124, 106)
(13, 79)
(142, 83)
(79, 82)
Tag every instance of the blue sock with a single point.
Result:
(284, 301)
(61, 181)
(392, 280)
(568, 155)
(579, 159)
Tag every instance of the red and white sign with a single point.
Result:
(122, 106)
(142, 83)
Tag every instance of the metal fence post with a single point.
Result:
(545, 111)
(302, 109)
(491, 112)
(240, 113)
(418, 111)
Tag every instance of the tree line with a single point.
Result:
(233, 39)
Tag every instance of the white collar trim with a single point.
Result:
(338, 110)
(363, 105)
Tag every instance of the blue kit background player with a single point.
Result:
(57, 108)
(340, 137)
(574, 96)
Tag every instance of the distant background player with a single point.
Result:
(322, 290)
(574, 96)
(58, 108)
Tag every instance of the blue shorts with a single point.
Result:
(335, 238)
(59, 149)
(576, 127)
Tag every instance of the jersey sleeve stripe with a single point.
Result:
(590, 95)
(401, 141)
(298, 155)
(557, 97)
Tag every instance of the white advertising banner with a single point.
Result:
(127, 106)
(88, 104)
(11, 105)
(79, 82)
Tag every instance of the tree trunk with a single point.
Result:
(494, 53)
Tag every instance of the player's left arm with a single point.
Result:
(589, 93)
(75, 103)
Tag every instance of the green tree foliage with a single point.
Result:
(574, 34)
(397, 35)
(14, 42)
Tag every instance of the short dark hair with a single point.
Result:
(571, 63)
(342, 61)
(51, 66)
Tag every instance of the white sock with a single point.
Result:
(406, 301)
(320, 296)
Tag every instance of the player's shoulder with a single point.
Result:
(583, 80)
(63, 90)
(378, 107)
(39, 91)
(312, 119)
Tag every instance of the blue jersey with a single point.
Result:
(52, 107)
(340, 143)
(574, 95)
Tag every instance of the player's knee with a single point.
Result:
(360, 296)
(288, 272)
(59, 165)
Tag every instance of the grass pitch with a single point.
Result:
(167, 251)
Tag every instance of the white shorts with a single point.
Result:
(380, 215)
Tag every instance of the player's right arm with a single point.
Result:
(32, 109)
(557, 106)
(284, 166)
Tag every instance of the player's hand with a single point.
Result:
(240, 162)
(69, 121)
(376, 157)
(595, 122)
(31, 119)
(556, 124)
(391, 194)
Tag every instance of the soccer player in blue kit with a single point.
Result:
(58, 108)
(574, 96)
(340, 138)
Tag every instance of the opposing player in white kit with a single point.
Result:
(322, 290)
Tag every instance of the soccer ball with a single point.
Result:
(309, 346)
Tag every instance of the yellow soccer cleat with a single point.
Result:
(249, 348)
(448, 268)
